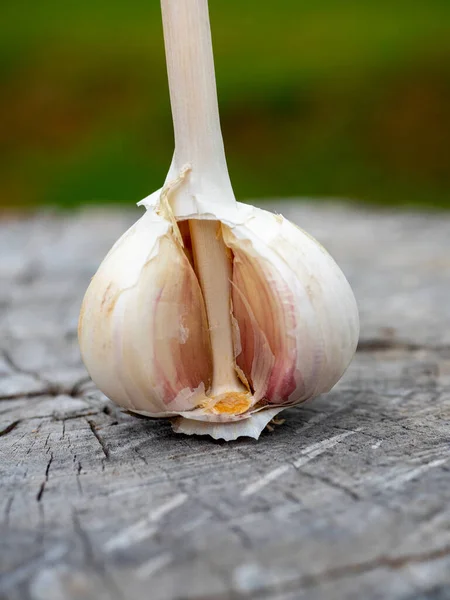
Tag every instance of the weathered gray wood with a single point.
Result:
(349, 498)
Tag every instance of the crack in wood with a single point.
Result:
(76, 390)
(9, 428)
(78, 477)
(30, 372)
(244, 539)
(141, 456)
(383, 345)
(53, 391)
(101, 441)
(26, 395)
(40, 493)
(51, 388)
(7, 511)
(56, 419)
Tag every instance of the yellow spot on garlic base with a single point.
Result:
(233, 403)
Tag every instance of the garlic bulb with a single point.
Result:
(213, 313)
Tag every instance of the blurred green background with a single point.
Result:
(317, 98)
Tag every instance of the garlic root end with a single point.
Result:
(251, 427)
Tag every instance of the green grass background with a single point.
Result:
(317, 97)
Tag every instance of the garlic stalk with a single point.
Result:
(213, 313)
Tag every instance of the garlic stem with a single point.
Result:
(213, 267)
(193, 94)
(198, 141)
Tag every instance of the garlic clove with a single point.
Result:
(304, 309)
(143, 331)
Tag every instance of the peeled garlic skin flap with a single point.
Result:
(143, 328)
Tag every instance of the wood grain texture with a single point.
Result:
(349, 498)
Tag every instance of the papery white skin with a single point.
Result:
(143, 328)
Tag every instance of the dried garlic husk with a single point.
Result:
(213, 313)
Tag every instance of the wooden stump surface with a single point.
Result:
(349, 498)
